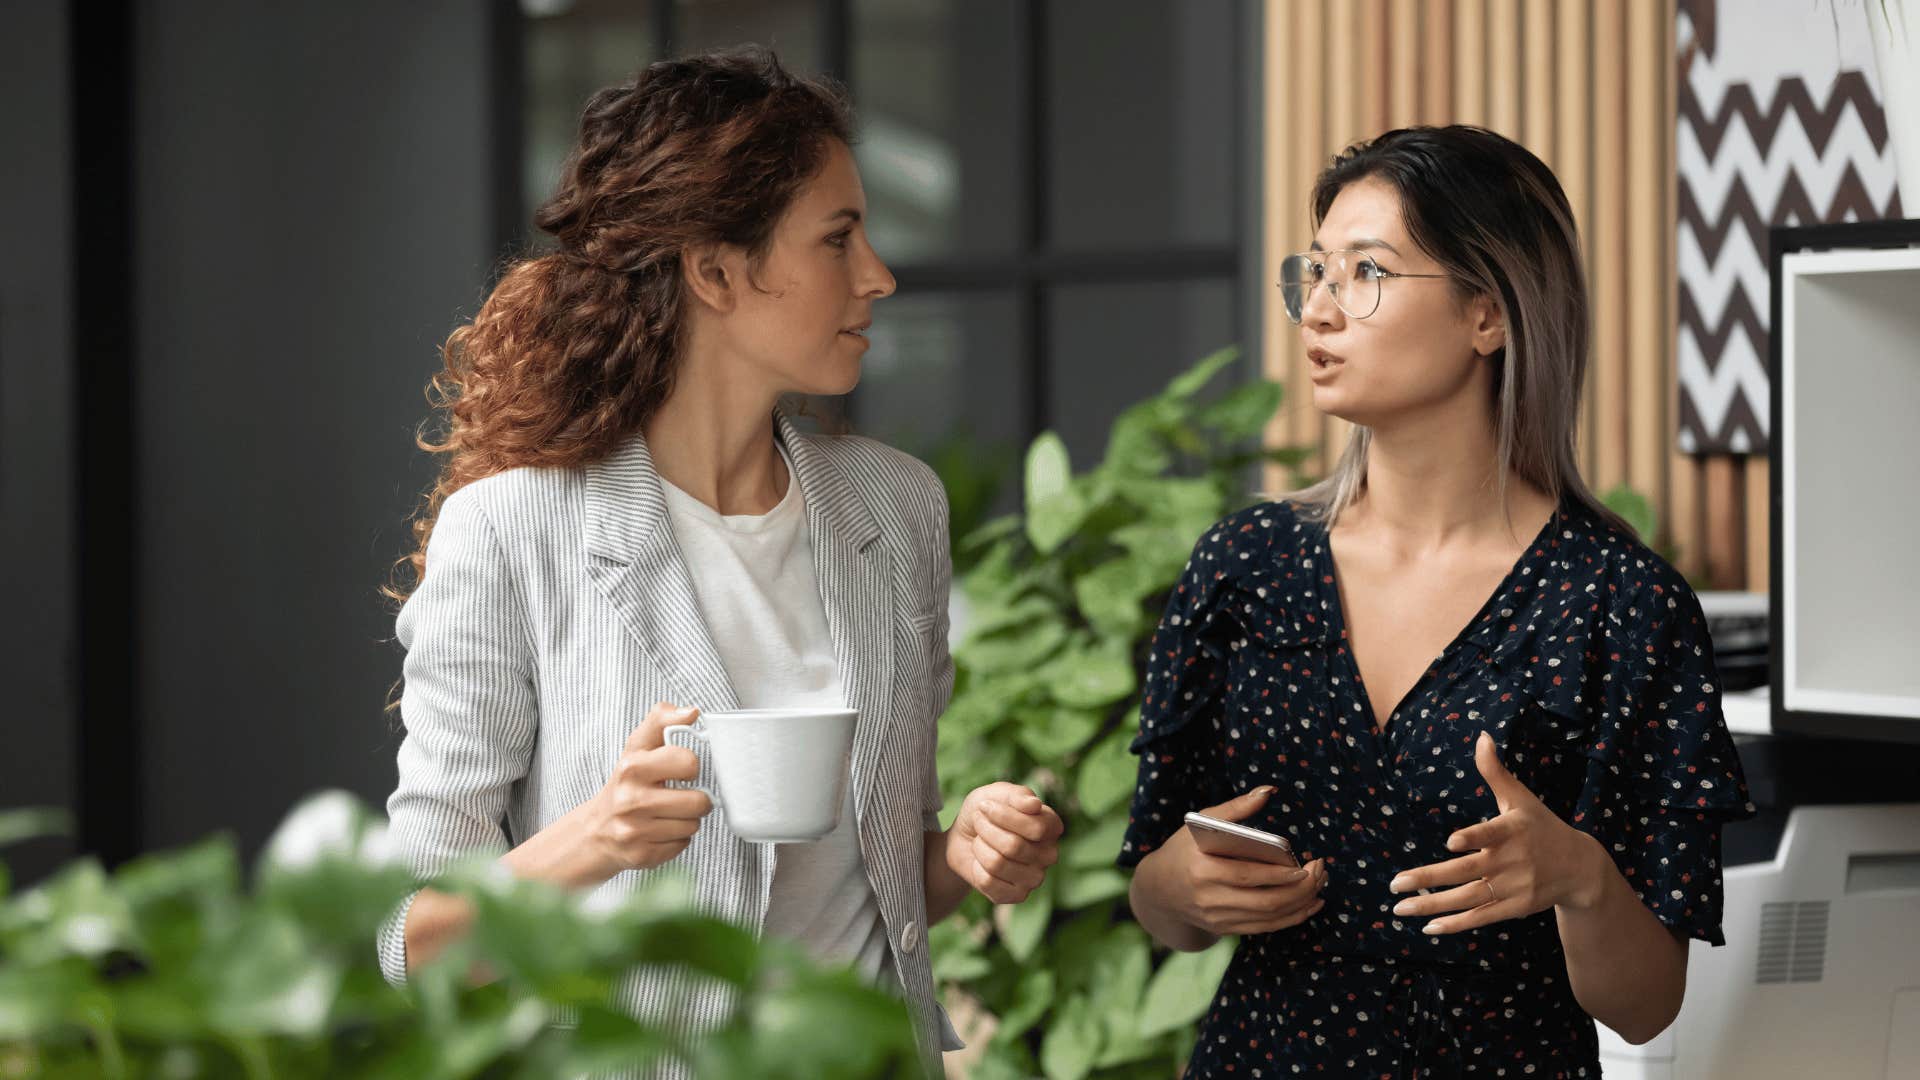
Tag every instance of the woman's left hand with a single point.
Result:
(1003, 840)
(1524, 860)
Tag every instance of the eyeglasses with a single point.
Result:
(1352, 279)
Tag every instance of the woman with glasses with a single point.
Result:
(1481, 710)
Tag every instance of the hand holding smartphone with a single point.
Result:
(1232, 840)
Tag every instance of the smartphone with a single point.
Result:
(1232, 840)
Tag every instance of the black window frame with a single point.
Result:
(1032, 270)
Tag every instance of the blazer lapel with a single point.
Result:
(635, 563)
(855, 578)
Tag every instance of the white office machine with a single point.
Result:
(1820, 976)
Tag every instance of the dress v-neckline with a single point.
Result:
(1338, 608)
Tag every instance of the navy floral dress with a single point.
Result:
(1591, 667)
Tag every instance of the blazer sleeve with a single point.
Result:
(468, 705)
(941, 667)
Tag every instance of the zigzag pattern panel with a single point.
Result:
(1752, 153)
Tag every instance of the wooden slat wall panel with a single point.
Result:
(1307, 113)
(1436, 74)
(1504, 67)
(1725, 498)
(1759, 515)
(1649, 161)
(1283, 203)
(1683, 515)
(1404, 77)
(1376, 54)
(1346, 123)
(1537, 54)
(1607, 262)
(1573, 148)
(1469, 62)
(1588, 85)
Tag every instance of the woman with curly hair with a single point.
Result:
(627, 518)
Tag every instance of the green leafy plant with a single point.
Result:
(168, 967)
(1638, 511)
(1063, 600)
(973, 472)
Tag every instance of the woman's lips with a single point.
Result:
(1323, 361)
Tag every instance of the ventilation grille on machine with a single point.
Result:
(1793, 942)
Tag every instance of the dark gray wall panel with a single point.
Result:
(37, 701)
(314, 215)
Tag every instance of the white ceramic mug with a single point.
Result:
(781, 773)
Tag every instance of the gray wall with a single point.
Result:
(313, 215)
(37, 704)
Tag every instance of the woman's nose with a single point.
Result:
(1320, 310)
(876, 281)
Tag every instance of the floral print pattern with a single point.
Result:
(1591, 667)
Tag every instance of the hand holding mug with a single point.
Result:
(635, 820)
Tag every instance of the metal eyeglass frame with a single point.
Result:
(1333, 287)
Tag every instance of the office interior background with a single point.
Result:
(256, 225)
(240, 232)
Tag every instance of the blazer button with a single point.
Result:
(910, 937)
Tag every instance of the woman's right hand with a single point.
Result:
(1223, 896)
(635, 821)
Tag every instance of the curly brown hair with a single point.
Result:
(574, 350)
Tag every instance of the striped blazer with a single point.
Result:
(556, 609)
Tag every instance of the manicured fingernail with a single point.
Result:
(1431, 928)
(1399, 884)
(1401, 907)
(1267, 789)
(1453, 843)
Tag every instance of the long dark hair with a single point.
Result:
(1493, 214)
(574, 350)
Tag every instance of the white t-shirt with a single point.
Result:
(753, 577)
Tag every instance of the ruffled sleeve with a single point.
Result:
(1186, 670)
(1664, 775)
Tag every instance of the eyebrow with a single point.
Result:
(851, 215)
(1361, 244)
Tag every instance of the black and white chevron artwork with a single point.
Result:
(1780, 124)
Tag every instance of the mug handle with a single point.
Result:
(693, 734)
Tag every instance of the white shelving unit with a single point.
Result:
(1817, 976)
(1849, 448)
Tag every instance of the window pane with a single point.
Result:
(938, 142)
(1112, 345)
(571, 53)
(944, 380)
(1142, 123)
(791, 28)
